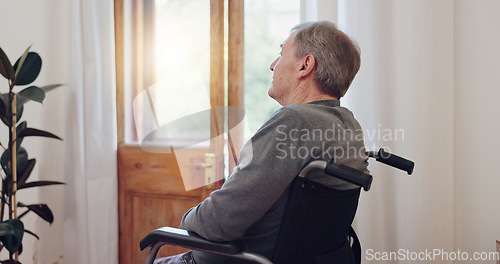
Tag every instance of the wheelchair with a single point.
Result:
(316, 227)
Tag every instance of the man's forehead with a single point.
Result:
(289, 39)
(283, 43)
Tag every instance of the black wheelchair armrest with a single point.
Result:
(183, 238)
(179, 237)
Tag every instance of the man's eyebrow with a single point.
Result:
(281, 45)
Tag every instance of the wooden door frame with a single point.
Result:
(236, 80)
(217, 82)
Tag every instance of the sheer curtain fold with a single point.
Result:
(91, 224)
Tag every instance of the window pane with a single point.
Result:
(175, 109)
(183, 67)
(267, 25)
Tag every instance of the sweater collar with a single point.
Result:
(332, 103)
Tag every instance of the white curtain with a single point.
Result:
(91, 220)
(426, 90)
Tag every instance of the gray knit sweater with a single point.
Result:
(250, 205)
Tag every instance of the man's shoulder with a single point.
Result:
(311, 115)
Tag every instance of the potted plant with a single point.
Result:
(16, 166)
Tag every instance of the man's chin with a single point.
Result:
(270, 92)
(273, 96)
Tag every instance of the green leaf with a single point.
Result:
(29, 69)
(13, 236)
(33, 93)
(6, 229)
(33, 132)
(21, 61)
(23, 177)
(9, 261)
(41, 210)
(5, 100)
(48, 88)
(20, 129)
(6, 68)
(38, 184)
(31, 233)
(22, 160)
(5, 188)
(3, 108)
(19, 113)
(20, 249)
(7, 119)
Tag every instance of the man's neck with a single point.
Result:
(307, 94)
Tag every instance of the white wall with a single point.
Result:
(477, 124)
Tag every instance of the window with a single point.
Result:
(173, 108)
(179, 85)
(267, 25)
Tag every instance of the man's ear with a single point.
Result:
(308, 65)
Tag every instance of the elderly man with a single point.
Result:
(316, 66)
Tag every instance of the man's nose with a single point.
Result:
(273, 64)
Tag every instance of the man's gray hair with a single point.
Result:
(337, 56)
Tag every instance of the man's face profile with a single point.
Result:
(283, 69)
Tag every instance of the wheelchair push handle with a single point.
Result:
(392, 160)
(349, 174)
